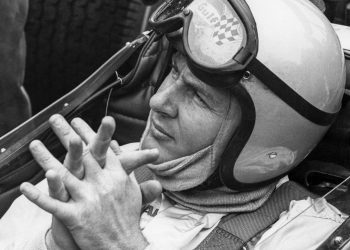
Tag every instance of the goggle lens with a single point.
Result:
(216, 33)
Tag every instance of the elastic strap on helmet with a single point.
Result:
(289, 96)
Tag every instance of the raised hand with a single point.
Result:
(104, 209)
(99, 144)
(59, 236)
(93, 158)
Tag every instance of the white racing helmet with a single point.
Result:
(283, 62)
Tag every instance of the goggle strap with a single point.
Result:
(289, 96)
(162, 66)
(238, 141)
(216, 80)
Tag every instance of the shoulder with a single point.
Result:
(305, 225)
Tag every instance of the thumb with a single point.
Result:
(150, 191)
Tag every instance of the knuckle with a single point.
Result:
(120, 179)
(36, 197)
(56, 211)
(105, 192)
(110, 187)
(91, 200)
(65, 132)
(73, 218)
(107, 188)
(44, 158)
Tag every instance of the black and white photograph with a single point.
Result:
(174, 124)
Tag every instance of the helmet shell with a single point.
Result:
(299, 45)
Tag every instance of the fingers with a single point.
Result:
(150, 191)
(92, 168)
(43, 157)
(42, 200)
(133, 160)
(83, 130)
(73, 160)
(62, 129)
(48, 162)
(99, 144)
(101, 141)
(56, 186)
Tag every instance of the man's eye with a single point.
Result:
(200, 98)
(197, 96)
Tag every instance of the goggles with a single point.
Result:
(219, 36)
(220, 40)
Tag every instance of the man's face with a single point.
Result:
(186, 114)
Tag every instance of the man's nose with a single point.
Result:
(164, 101)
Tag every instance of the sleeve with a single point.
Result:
(304, 226)
(25, 225)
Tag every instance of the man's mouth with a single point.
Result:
(159, 132)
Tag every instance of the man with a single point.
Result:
(225, 126)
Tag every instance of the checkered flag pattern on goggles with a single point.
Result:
(226, 30)
(216, 33)
(213, 30)
(219, 36)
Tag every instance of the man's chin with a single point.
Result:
(148, 142)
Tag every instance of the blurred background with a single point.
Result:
(68, 39)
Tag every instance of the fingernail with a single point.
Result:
(25, 187)
(56, 120)
(35, 145)
(75, 122)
